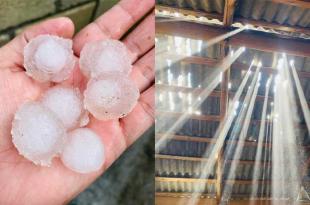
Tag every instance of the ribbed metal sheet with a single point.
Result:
(273, 12)
(263, 10)
(185, 187)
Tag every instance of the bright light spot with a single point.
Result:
(292, 62)
(177, 41)
(188, 47)
(249, 87)
(168, 62)
(180, 94)
(199, 46)
(189, 98)
(190, 109)
(229, 85)
(199, 98)
(189, 80)
(235, 113)
(201, 18)
(170, 77)
(259, 76)
(156, 40)
(268, 117)
(165, 12)
(245, 105)
(199, 86)
(280, 63)
(236, 105)
(180, 80)
(198, 113)
(271, 103)
(159, 82)
(259, 64)
(176, 14)
(221, 77)
(231, 52)
(247, 26)
(160, 97)
(242, 48)
(168, 48)
(171, 102)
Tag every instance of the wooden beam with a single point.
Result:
(211, 63)
(229, 10)
(215, 118)
(213, 140)
(189, 180)
(189, 12)
(190, 116)
(184, 199)
(209, 181)
(168, 200)
(204, 159)
(299, 3)
(273, 26)
(258, 41)
(197, 91)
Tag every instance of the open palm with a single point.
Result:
(21, 182)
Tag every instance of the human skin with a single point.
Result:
(22, 182)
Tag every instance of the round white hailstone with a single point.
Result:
(67, 104)
(107, 56)
(37, 133)
(110, 96)
(49, 58)
(83, 151)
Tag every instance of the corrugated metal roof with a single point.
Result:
(260, 10)
(278, 13)
(206, 128)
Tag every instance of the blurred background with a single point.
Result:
(15, 15)
(130, 180)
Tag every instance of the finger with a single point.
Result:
(142, 38)
(143, 71)
(12, 53)
(142, 113)
(114, 23)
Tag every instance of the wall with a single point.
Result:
(15, 15)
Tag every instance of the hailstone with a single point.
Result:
(49, 58)
(67, 104)
(83, 151)
(110, 96)
(107, 56)
(37, 133)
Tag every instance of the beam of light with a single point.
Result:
(212, 82)
(285, 155)
(302, 98)
(220, 134)
(259, 149)
(238, 147)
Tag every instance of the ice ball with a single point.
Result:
(67, 104)
(83, 151)
(110, 96)
(105, 56)
(37, 133)
(49, 58)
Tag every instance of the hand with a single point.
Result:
(22, 182)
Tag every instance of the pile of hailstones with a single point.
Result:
(54, 125)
